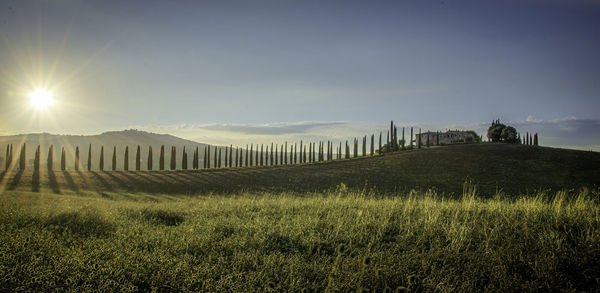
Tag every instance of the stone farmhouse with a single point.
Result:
(448, 137)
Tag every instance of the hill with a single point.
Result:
(512, 169)
(119, 139)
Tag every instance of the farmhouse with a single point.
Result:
(448, 137)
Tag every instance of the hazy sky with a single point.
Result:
(230, 66)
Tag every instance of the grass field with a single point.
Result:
(511, 169)
(340, 240)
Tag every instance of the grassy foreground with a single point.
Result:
(296, 242)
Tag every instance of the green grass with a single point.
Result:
(341, 240)
(511, 169)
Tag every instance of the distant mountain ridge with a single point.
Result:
(119, 139)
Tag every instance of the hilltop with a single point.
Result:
(511, 169)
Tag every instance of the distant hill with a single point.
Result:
(120, 139)
(512, 169)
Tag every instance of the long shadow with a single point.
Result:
(124, 186)
(15, 180)
(105, 185)
(52, 182)
(70, 182)
(2, 176)
(35, 181)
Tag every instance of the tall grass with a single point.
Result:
(343, 240)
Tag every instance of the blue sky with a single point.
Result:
(223, 67)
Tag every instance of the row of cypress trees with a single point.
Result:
(239, 157)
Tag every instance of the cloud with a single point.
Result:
(272, 128)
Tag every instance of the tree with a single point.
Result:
(50, 161)
(89, 161)
(494, 133)
(379, 142)
(295, 154)
(535, 139)
(395, 144)
(437, 137)
(36, 160)
(77, 158)
(230, 155)
(428, 145)
(173, 158)
(138, 159)
(403, 142)
(237, 157)
(251, 153)
(63, 160)
(509, 135)
(101, 163)
(419, 139)
(161, 159)
(411, 138)
(126, 159)
(204, 163)
(219, 159)
(150, 159)
(114, 158)
(184, 159)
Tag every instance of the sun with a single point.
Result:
(41, 99)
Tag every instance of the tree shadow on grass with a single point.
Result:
(35, 181)
(52, 182)
(105, 185)
(123, 185)
(70, 182)
(15, 180)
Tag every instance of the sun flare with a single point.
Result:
(41, 99)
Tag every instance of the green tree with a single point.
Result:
(101, 163)
(114, 158)
(494, 132)
(509, 135)
(77, 158)
(184, 159)
(150, 159)
(63, 160)
(219, 159)
(138, 159)
(126, 159)
(411, 138)
(161, 158)
(535, 139)
(89, 160)
(173, 158)
(36, 160)
(50, 161)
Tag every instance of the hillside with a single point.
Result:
(513, 169)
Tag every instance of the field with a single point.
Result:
(531, 223)
(294, 242)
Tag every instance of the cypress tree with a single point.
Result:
(428, 145)
(535, 139)
(364, 146)
(379, 143)
(161, 158)
(246, 157)
(387, 146)
(150, 158)
(391, 141)
(77, 158)
(295, 154)
(101, 163)
(310, 145)
(226, 150)
(281, 154)
(411, 138)
(173, 158)
(63, 160)
(251, 153)
(271, 155)
(219, 160)
(50, 162)
(36, 160)
(114, 158)
(89, 161)
(419, 139)
(285, 157)
(230, 155)
(138, 160)
(395, 144)
(527, 140)
(261, 155)
(197, 159)
(276, 158)
(403, 141)
(301, 159)
(126, 159)
(184, 159)
(205, 157)
(372, 145)
(437, 137)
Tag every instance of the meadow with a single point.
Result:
(340, 240)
